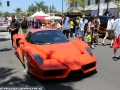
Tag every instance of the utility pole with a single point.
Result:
(62, 5)
(98, 7)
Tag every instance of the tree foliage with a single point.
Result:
(117, 2)
(41, 6)
(0, 3)
(81, 3)
(18, 12)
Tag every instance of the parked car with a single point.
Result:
(103, 21)
(3, 26)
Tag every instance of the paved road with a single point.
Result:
(106, 78)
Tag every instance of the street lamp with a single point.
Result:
(62, 5)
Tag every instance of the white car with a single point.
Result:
(3, 26)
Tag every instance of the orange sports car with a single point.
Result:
(48, 54)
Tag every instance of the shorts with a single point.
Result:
(110, 34)
(116, 43)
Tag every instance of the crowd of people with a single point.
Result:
(82, 26)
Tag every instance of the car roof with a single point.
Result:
(42, 29)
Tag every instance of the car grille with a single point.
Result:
(53, 72)
(76, 72)
(88, 66)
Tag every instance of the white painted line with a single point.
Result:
(39, 84)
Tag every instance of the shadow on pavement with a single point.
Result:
(8, 77)
(64, 84)
(5, 49)
(4, 39)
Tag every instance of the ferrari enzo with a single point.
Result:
(48, 54)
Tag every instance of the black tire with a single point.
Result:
(26, 64)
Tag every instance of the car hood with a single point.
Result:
(66, 53)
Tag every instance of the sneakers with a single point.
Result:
(115, 58)
(103, 44)
(111, 46)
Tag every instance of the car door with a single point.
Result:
(31, 62)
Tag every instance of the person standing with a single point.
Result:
(77, 21)
(36, 24)
(59, 26)
(24, 25)
(71, 27)
(98, 21)
(109, 31)
(91, 26)
(116, 29)
(82, 23)
(14, 27)
(66, 25)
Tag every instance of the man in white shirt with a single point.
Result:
(109, 31)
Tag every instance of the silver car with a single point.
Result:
(3, 26)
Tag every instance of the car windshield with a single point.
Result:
(48, 37)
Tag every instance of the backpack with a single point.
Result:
(24, 24)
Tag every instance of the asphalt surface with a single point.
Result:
(107, 76)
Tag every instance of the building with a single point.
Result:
(93, 6)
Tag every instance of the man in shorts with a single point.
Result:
(109, 32)
(116, 29)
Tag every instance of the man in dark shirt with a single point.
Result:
(24, 25)
(14, 27)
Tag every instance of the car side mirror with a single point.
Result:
(21, 42)
(79, 37)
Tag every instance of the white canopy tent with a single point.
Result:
(41, 13)
(53, 18)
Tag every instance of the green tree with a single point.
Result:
(0, 3)
(40, 5)
(72, 2)
(0, 13)
(18, 12)
(50, 9)
(82, 4)
(117, 3)
(31, 9)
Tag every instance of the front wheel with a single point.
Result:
(26, 63)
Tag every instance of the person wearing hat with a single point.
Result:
(109, 32)
(82, 24)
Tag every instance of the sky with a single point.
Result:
(23, 4)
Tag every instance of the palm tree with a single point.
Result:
(82, 4)
(71, 2)
(40, 5)
(18, 11)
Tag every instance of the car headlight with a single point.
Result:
(38, 59)
(89, 51)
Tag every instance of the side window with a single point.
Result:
(28, 36)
